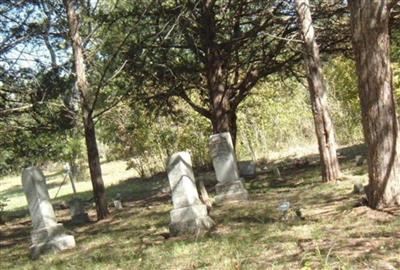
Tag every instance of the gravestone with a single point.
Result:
(247, 168)
(230, 186)
(118, 204)
(77, 209)
(358, 188)
(359, 160)
(47, 234)
(189, 214)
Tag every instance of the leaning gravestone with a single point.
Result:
(47, 234)
(230, 186)
(189, 214)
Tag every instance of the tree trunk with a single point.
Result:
(233, 125)
(371, 45)
(220, 109)
(94, 166)
(224, 116)
(86, 106)
(318, 94)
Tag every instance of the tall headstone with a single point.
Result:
(47, 234)
(189, 214)
(230, 186)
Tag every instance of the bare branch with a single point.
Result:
(204, 112)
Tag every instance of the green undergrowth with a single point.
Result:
(333, 232)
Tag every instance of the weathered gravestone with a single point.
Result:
(118, 204)
(47, 234)
(189, 214)
(359, 160)
(247, 168)
(230, 186)
(78, 213)
(358, 188)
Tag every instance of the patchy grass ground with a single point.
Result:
(335, 232)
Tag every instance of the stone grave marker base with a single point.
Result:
(51, 239)
(231, 191)
(190, 220)
(82, 218)
(78, 213)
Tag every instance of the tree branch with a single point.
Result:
(204, 112)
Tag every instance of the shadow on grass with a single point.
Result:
(134, 192)
(146, 211)
(309, 165)
(262, 219)
(14, 235)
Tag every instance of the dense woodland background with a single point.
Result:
(141, 122)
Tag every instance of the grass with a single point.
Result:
(334, 234)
